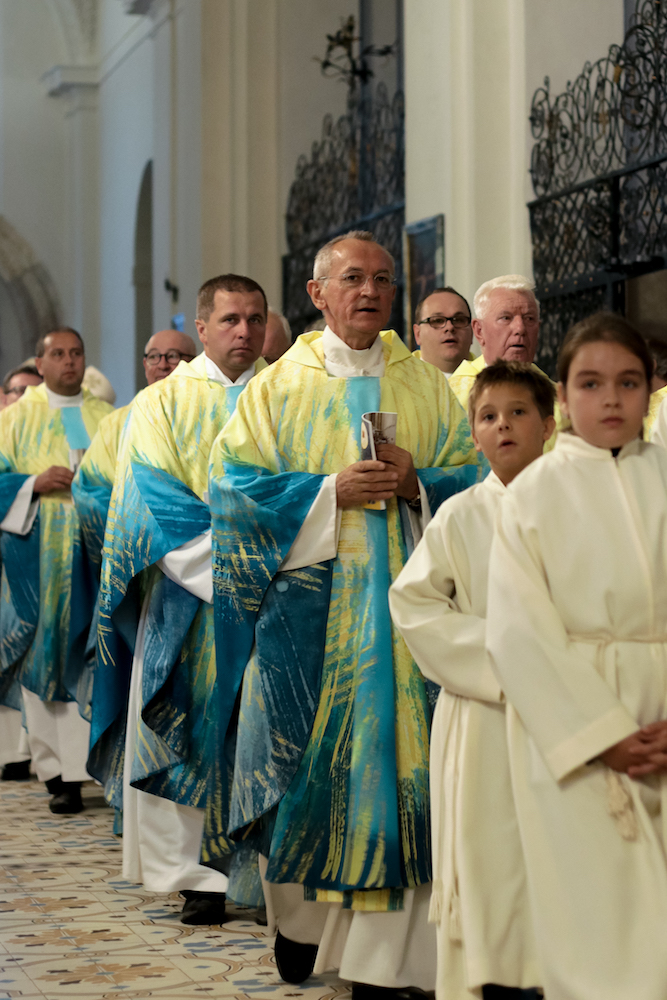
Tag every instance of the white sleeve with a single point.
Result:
(317, 540)
(568, 708)
(448, 646)
(190, 566)
(20, 517)
(659, 431)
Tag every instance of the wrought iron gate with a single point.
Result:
(599, 170)
(354, 179)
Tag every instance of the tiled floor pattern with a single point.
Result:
(71, 927)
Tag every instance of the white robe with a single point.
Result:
(577, 630)
(13, 737)
(480, 899)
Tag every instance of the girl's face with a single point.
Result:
(606, 395)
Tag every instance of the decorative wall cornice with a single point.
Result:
(61, 80)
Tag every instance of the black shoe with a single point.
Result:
(68, 800)
(54, 786)
(17, 770)
(364, 991)
(203, 907)
(295, 961)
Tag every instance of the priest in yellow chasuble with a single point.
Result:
(156, 661)
(47, 592)
(331, 745)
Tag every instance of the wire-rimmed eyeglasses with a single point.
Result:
(356, 279)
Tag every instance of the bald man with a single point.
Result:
(278, 338)
(165, 351)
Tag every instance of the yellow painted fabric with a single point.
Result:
(32, 440)
(171, 430)
(655, 399)
(296, 418)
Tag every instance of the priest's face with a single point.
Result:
(233, 335)
(510, 326)
(357, 293)
(63, 363)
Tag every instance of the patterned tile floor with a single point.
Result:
(70, 926)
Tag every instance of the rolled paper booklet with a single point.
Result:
(75, 458)
(376, 428)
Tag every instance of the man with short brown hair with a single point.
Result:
(159, 766)
(45, 607)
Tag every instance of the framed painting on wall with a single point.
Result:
(424, 263)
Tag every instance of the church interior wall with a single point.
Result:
(471, 70)
(34, 147)
(126, 145)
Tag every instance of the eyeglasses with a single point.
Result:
(153, 358)
(16, 391)
(355, 279)
(459, 321)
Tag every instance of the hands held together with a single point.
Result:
(642, 753)
(55, 478)
(366, 482)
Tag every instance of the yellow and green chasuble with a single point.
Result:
(157, 505)
(47, 593)
(331, 744)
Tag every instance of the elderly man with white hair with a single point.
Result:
(507, 326)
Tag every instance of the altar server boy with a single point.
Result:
(479, 902)
(577, 634)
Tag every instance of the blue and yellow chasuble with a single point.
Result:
(156, 506)
(46, 598)
(94, 481)
(331, 746)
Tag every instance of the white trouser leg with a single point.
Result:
(395, 949)
(288, 911)
(58, 738)
(161, 839)
(12, 745)
(23, 749)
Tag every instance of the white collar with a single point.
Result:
(57, 402)
(214, 373)
(343, 361)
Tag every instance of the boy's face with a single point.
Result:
(509, 430)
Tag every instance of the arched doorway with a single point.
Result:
(29, 305)
(143, 271)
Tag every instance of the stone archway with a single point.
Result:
(29, 301)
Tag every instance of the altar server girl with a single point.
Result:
(577, 632)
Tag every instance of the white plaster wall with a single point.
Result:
(305, 94)
(471, 67)
(126, 144)
(561, 37)
(34, 144)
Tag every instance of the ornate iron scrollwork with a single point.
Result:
(599, 170)
(614, 114)
(353, 179)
